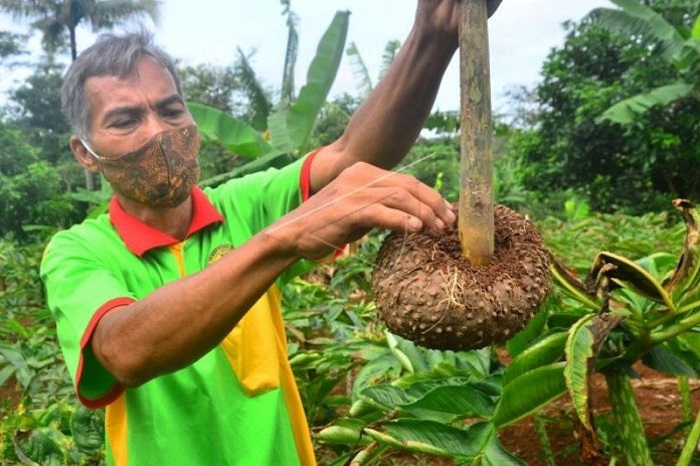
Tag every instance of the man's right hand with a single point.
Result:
(362, 197)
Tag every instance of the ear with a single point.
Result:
(84, 158)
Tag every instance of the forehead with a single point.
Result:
(148, 83)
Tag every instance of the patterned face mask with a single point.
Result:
(160, 173)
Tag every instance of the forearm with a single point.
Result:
(387, 124)
(180, 322)
(385, 127)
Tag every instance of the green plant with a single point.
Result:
(58, 433)
(290, 124)
(620, 313)
(680, 48)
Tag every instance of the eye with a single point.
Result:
(124, 123)
(173, 112)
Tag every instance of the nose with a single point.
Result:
(154, 124)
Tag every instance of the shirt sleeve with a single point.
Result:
(81, 288)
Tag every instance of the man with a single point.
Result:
(168, 308)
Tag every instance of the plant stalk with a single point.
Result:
(629, 423)
(676, 329)
(541, 430)
(476, 187)
(691, 444)
(370, 453)
(686, 401)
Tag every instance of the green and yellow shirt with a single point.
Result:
(238, 404)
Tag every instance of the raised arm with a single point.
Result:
(387, 124)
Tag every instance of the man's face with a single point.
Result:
(143, 139)
(125, 113)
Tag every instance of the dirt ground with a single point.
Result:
(658, 400)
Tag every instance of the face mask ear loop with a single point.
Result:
(87, 147)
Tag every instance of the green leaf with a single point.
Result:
(87, 429)
(696, 29)
(635, 19)
(6, 373)
(344, 431)
(664, 360)
(434, 438)
(458, 401)
(546, 351)
(631, 276)
(579, 351)
(625, 112)
(236, 135)
(321, 74)
(387, 395)
(496, 455)
(529, 392)
(534, 328)
(571, 284)
(412, 358)
(280, 138)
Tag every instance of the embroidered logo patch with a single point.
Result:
(219, 252)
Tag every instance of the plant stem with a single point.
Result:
(476, 192)
(676, 329)
(686, 402)
(691, 444)
(629, 423)
(544, 441)
(369, 454)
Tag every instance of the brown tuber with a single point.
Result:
(426, 291)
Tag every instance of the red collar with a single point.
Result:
(140, 237)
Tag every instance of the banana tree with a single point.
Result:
(290, 123)
(678, 47)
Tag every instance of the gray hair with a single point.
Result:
(111, 55)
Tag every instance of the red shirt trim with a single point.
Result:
(305, 177)
(305, 182)
(117, 389)
(140, 237)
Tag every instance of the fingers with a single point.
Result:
(363, 197)
(407, 203)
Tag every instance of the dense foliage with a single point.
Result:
(636, 167)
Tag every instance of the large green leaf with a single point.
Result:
(532, 331)
(636, 19)
(451, 402)
(546, 351)
(344, 431)
(666, 359)
(294, 125)
(579, 352)
(477, 444)
(236, 135)
(630, 275)
(411, 358)
(529, 392)
(626, 111)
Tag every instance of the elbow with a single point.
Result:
(123, 361)
(125, 365)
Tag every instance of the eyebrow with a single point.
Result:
(135, 110)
